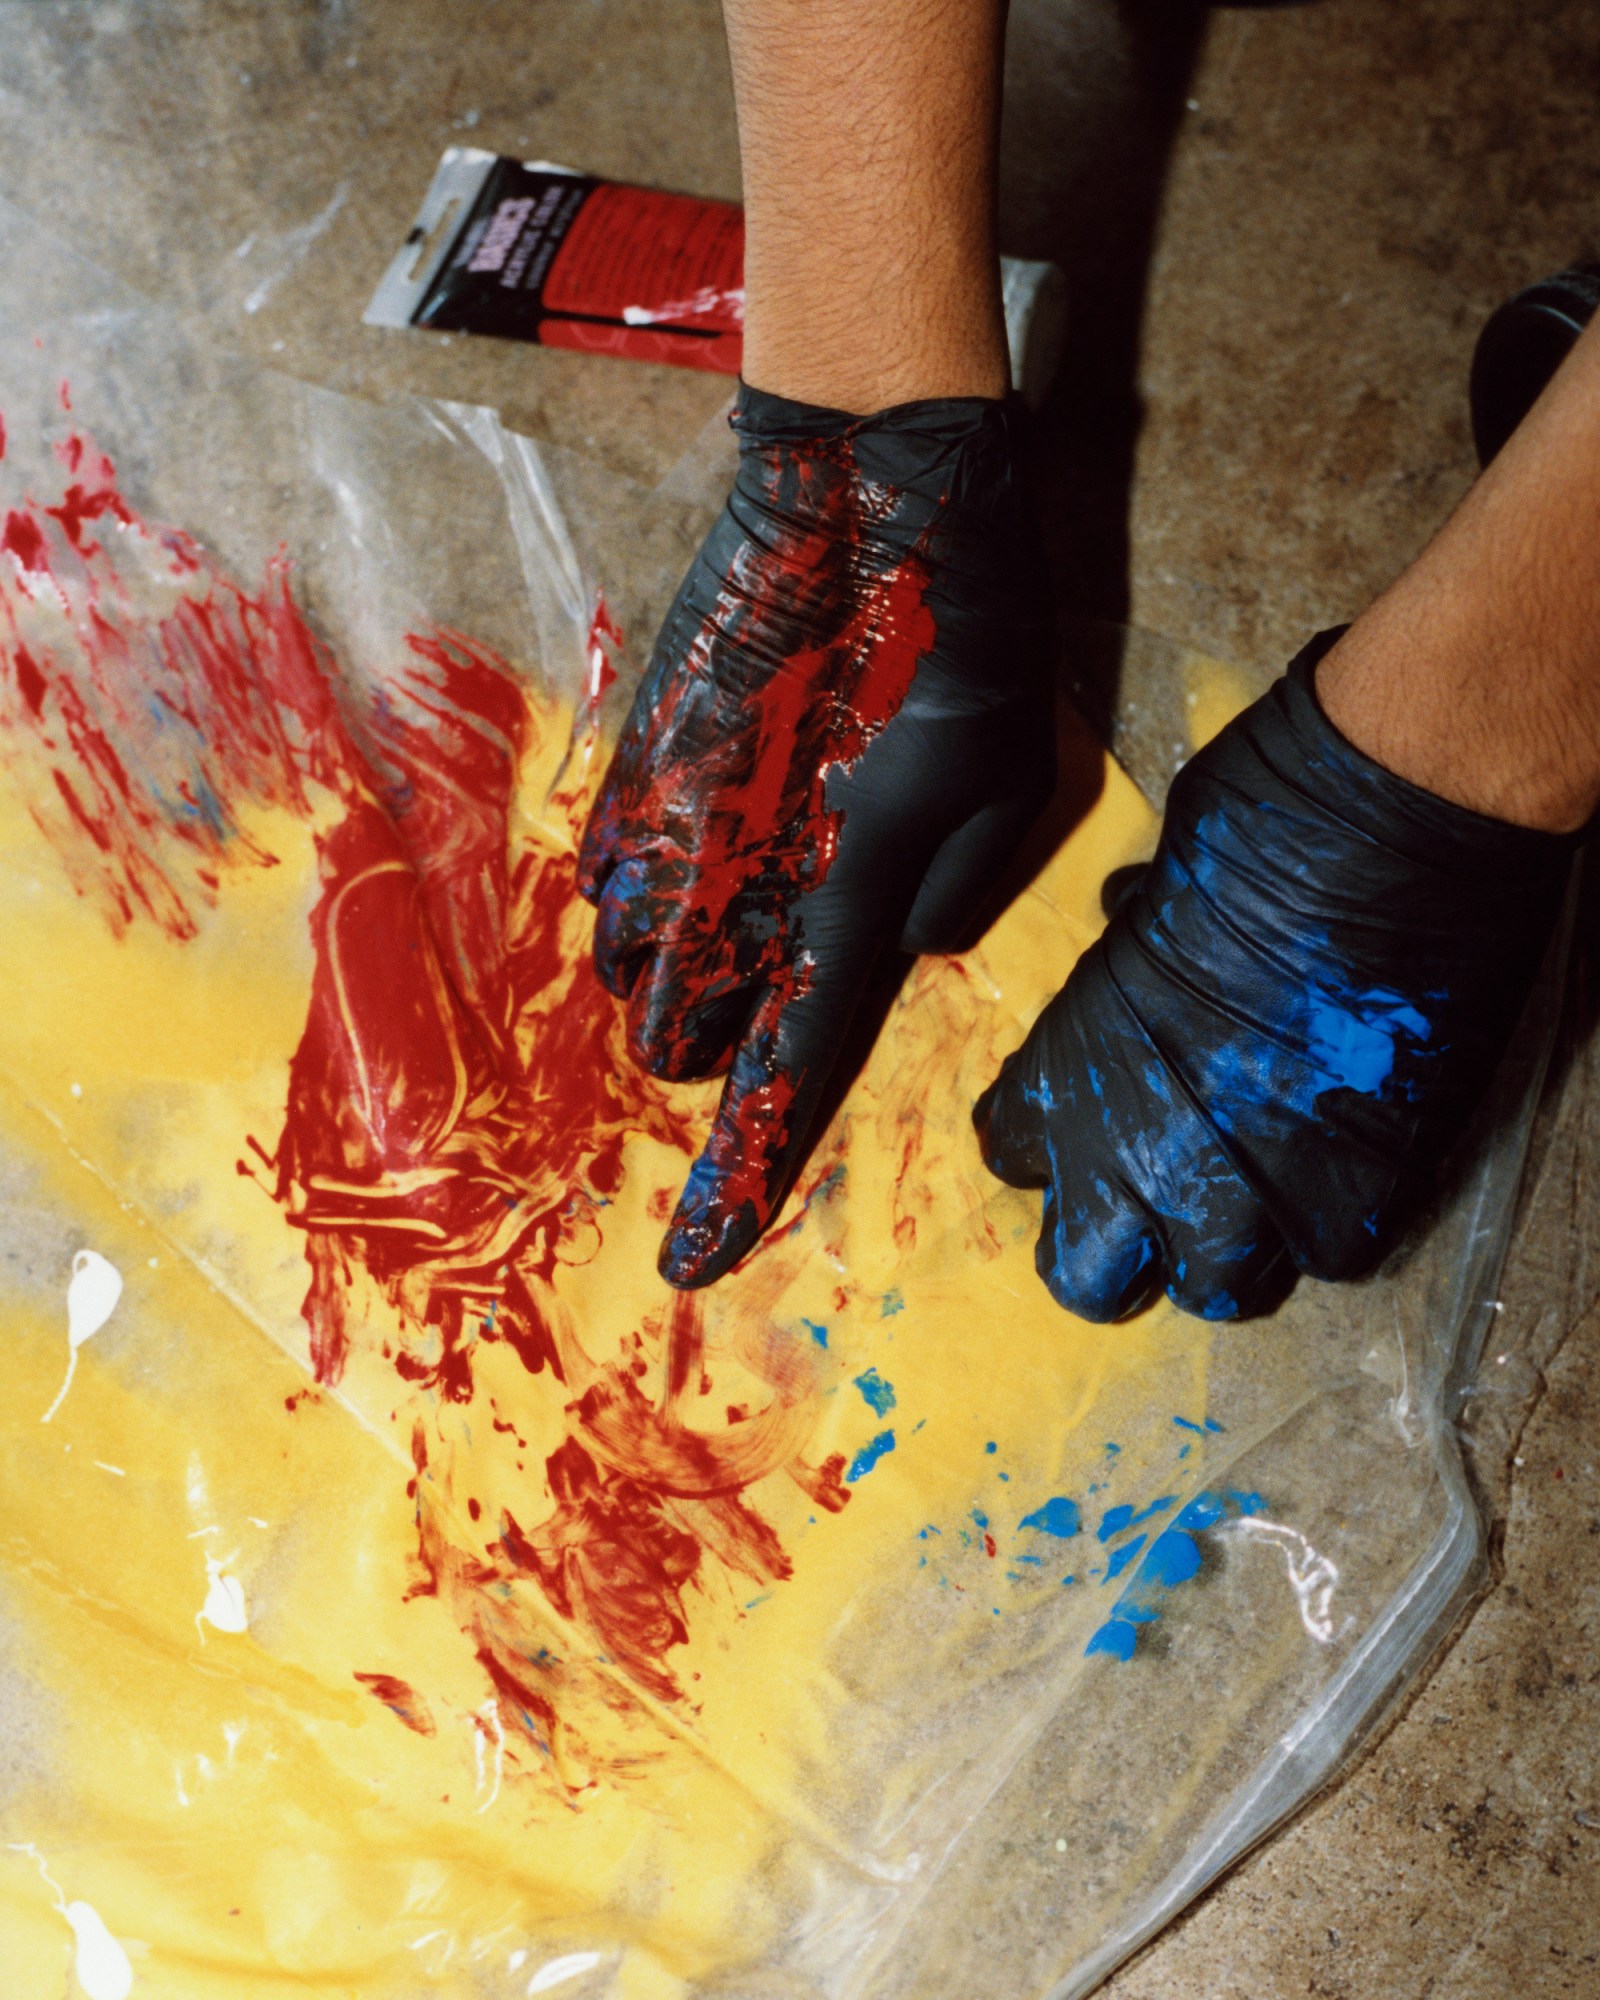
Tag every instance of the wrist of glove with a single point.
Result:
(1260, 1064)
(845, 728)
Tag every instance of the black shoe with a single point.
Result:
(1522, 345)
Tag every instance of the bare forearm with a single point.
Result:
(868, 133)
(1477, 675)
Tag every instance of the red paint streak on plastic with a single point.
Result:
(403, 1698)
(459, 1104)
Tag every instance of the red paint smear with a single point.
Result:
(604, 632)
(403, 1699)
(460, 1099)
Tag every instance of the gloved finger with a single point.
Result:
(1120, 886)
(1227, 1269)
(1011, 1122)
(1097, 1252)
(626, 924)
(759, 1135)
(964, 871)
(687, 1011)
(693, 1003)
(597, 851)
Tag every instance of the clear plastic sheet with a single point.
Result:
(1101, 1608)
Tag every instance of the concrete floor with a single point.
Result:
(1282, 228)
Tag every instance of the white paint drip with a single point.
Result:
(92, 1294)
(492, 1708)
(1311, 1576)
(709, 299)
(294, 244)
(99, 1961)
(102, 1965)
(560, 1970)
(224, 1606)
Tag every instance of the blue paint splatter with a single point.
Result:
(1173, 1558)
(877, 1394)
(1125, 1555)
(1058, 1516)
(1114, 1637)
(1210, 1425)
(980, 1517)
(1118, 1518)
(818, 1333)
(1352, 1041)
(867, 1457)
(991, 1446)
(1113, 1450)
(892, 1303)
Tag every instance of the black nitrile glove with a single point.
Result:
(844, 732)
(1282, 1030)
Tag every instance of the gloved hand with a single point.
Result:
(1283, 1028)
(845, 729)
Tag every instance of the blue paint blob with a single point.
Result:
(1351, 1041)
(869, 1454)
(1058, 1516)
(877, 1394)
(991, 1446)
(1114, 1637)
(818, 1333)
(1205, 1510)
(1125, 1555)
(892, 1303)
(1174, 1557)
(980, 1517)
(1118, 1518)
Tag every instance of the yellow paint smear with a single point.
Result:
(249, 1818)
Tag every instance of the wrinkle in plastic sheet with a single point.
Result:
(400, 1590)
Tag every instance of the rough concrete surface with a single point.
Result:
(1282, 228)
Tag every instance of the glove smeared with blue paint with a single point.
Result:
(1260, 1064)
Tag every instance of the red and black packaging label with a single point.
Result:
(571, 261)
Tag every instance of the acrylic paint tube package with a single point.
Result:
(402, 1593)
(530, 251)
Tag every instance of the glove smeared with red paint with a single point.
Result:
(845, 730)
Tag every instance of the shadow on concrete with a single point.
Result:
(1095, 91)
